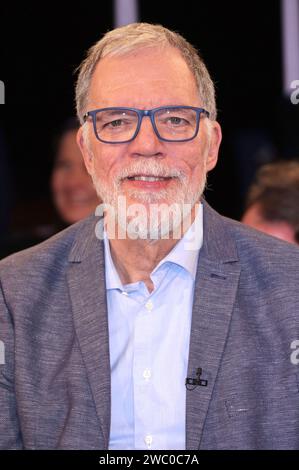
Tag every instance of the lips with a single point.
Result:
(148, 182)
(148, 178)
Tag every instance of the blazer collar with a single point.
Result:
(218, 244)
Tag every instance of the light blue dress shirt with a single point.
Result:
(149, 337)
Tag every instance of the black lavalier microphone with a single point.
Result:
(192, 383)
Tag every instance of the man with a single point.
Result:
(180, 329)
(272, 204)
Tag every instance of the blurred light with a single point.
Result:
(290, 43)
(125, 12)
(2, 99)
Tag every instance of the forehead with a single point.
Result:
(153, 76)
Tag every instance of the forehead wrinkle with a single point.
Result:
(140, 101)
(133, 86)
(119, 91)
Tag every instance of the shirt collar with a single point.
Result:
(111, 275)
(184, 253)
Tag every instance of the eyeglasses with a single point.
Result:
(121, 125)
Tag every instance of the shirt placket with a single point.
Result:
(142, 376)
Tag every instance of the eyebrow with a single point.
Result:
(117, 111)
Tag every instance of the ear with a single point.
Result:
(215, 140)
(86, 153)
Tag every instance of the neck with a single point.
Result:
(134, 260)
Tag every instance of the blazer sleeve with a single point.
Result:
(10, 433)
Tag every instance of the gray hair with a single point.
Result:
(123, 40)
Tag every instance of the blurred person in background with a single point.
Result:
(272, 204)
(73, 193)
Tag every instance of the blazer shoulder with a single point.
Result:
(273, 261)
(254, 241)
(53, 251)
(226, 239)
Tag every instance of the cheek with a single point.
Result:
(88, 186)
(57, 182)
(198, 175)
(192, 162)
(107, 163)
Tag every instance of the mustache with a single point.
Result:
(149, 168)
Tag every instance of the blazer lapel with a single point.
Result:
(86, 279)
(214, 295)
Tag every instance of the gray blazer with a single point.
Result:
(55, 377)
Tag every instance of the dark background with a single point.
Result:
(42, 45)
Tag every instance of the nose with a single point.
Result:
(147, 143)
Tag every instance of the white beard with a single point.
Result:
(160, 215)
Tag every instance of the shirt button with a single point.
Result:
(124, 292)
(148, 440)
(147, 374)
(149, 306)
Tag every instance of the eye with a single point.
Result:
(176, 120)
(115, 123)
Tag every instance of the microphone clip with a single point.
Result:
(192, 383)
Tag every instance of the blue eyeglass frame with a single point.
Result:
(145, 112)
